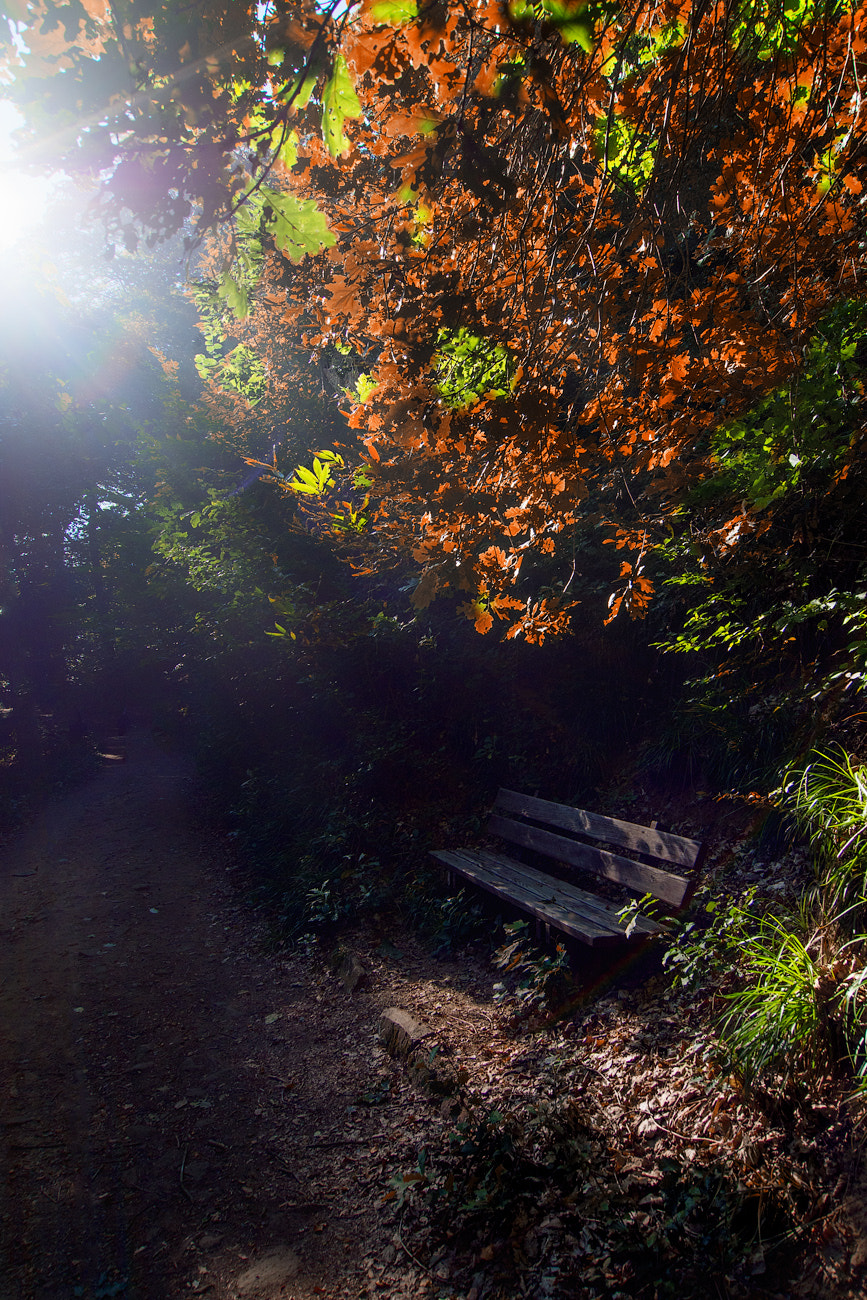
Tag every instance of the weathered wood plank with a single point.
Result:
(589, 930)
(634, 875)
(547, 889)
(553, 913)
(591, 906)
(628, 835)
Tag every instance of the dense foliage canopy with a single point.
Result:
(572, 269)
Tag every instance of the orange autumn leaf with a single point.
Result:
(539, 239)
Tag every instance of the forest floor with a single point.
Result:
(181, 1113)
(184, 1112)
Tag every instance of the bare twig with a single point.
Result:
(340, 1142)
(711, 1142)
(181, 1177)
(405, 1248)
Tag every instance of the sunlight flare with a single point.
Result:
(23, 197)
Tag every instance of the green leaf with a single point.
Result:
(313, 482)
(339, 101)
(286, 147)
(364, 386)
(470, 366)
(299, 90)
(306, 481)
(571, 18)
(582, 32)
(234, 295)
(296, 225)
(394, 13)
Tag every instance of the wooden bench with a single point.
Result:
(596, 844)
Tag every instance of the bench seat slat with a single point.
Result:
(661, 845)
(634, 875)
(563, 916)
(562, 891)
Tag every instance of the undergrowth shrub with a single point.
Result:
(828, 798)
(698, 949)
(799, 1005)
(659, 1235)
(448, 921)
(539, 981)
(786, 1018)
(782, 981)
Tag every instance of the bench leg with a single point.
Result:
(542, 931)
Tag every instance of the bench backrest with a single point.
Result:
(578, 835)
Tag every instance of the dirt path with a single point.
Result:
(181, 1114)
